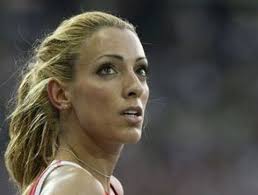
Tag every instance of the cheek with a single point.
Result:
(95, 98)
(101, 94)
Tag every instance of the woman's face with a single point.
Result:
(110, 92)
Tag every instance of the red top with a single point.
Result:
(38, 184)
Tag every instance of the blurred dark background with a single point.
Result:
(202, 132)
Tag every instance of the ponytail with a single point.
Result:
(33, 133)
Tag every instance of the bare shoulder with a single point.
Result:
(69, 180)
(117, 185)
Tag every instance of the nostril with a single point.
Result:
(131, 94)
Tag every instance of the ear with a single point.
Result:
(58, 94)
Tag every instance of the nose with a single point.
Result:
(133, 86)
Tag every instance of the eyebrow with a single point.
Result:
(120, 57)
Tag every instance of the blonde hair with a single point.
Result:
(34, 125)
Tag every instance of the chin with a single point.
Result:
(133, 136)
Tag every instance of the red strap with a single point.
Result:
(34, 185)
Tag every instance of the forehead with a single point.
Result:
(111, 40)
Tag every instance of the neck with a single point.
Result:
(90, 155)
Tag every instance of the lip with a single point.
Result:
(133, 119)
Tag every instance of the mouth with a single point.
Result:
(133, 115)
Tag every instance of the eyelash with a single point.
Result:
(105, 66)
(145, 68)
(109, 65)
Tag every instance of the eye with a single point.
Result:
(106, 69)
(143, 71)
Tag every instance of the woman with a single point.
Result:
(81, 98)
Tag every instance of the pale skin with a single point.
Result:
(110, 76)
